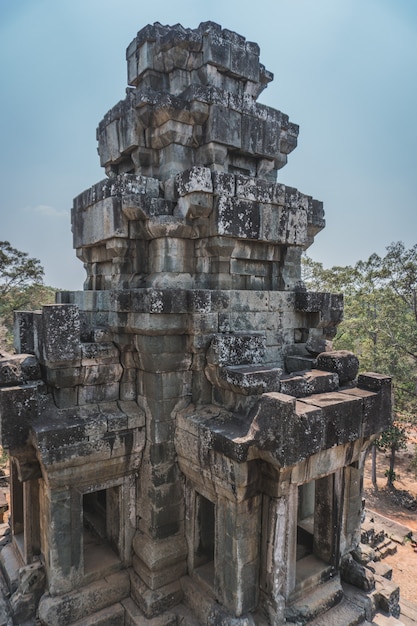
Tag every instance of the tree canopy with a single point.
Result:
(380, 319)
(21, 287)
(17, 269)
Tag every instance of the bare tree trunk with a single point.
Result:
(373, 468)
(391, 473)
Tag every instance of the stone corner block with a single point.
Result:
(343, 362)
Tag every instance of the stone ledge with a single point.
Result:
(80, 603)
(280, 427)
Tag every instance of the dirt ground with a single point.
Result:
(400, 505)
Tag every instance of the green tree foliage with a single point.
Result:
(21, 287)
(380, 317)
(380, 326)
(17, 269)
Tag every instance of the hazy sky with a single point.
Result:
(345, 71)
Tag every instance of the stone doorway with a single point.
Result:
(305, 519)
(24, 520)
(101, 529)
(315, 538)
(204, 538)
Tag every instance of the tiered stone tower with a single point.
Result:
(185, 446)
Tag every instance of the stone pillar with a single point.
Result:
(31, 520)
(278, 553)
(291, 529)
(329, 497)
(237, 554)
(164, 383)
(350, 532)
(65, 541)
(16, 497)
(23, 332)
(324, 519)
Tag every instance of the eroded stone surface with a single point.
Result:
(184, 442)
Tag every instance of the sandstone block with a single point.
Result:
(17, 369)
(153, 603)
(307, 383)
(196, 179)
(356, 574)
(113, 615)
(155, 579)
(237, 218)
(236, 349)
(345, 364)
(18, 409)
(159, 554)
(60, 339)
(59, 610)
(224, 127)
(23, 330)
(250, 380)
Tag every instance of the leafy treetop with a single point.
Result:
(17, 269)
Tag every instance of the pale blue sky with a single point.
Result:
(345, 71)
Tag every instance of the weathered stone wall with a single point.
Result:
(168, 422)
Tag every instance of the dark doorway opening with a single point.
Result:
(101, 529)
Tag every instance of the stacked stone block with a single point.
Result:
(186, 403)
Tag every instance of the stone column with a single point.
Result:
(278, 554)
(291, 533)
(164, 383)
(324, 526)
(66, 563)
(31, 520)
(351, 527)
(16, 497)
(237, 554)
(329, 495)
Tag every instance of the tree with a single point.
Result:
(380, 326)
(399, 270)
(392, 440)
(17, 269)
(21, 287)
(380, 316)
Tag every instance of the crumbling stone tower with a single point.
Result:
(184, 444)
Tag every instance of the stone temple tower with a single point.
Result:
(185, 447)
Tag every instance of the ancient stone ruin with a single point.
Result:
(186, 448)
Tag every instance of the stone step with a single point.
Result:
(113, 615)
(392, 529)
(371, 534)
(386, 620)
(86, 602)
(302, 384)
(260, 618)
(10, 563)
(297, 363)
(366, 601)
(397, 539)
(343, 614)
(384, 550)
(310, 573)
(185, 617)
(5, 615)
(198, 602)
(135, 617)
(408, 612)
(388, 595)
(383, 600)
(251, 379)
(314, 603)
(380, 568)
